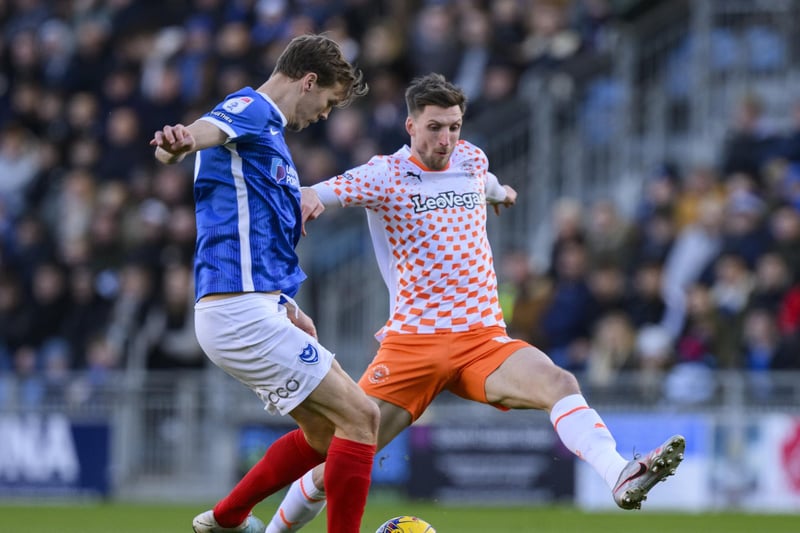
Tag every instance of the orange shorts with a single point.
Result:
(410, 370)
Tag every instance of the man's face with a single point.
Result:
(434, 133)
(316, 103)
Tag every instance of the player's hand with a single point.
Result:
(301, 320)
(173, 143)
(511, 199)
(310, 205)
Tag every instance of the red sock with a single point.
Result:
(287, 459)
(348, 470)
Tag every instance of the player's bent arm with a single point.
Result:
(173, 143)
(326, 195)
(495, 193)
(314, 200)
(499, 195)
(206, 134)
(310, 205)
(511, 196)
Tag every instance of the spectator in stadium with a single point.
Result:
(15, 317)
(654, 239)
(385, 113)
(498, 104)
(30, 390)
(744, 232)
(730, 292)
(426, 207)
(475, 34)
(88, 313)
(771, 280)
(550, 42)
(169, 324)
(122, 152)
(660, 193)
(609, 291)
(524, 293)
(433, 44)
(568, 228)
(247, 208)
(646, 303)
(19, 163)
(566, 321)
(784, 226)
(750, 144)
(691, 379)
(654, 354)
(49, 302)
(761, 341)
(609, 236)
(698, 186)
(695, 248)
(611, 350)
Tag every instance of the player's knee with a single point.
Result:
(366, 419)
(563, 383)
(372, 416)
(318, 434)
(320, 441)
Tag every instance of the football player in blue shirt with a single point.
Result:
(247, 197)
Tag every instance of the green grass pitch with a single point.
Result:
(123, 518)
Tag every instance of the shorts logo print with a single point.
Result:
(380, 373)
(309, 355)
(283, 392)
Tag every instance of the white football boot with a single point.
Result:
(206, 523)
(640, 475)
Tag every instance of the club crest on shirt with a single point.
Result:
(309, 355)
(469, 169)
(379, 373)
(237, 105)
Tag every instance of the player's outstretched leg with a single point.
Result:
(641, 475)
(285, 460)
(206, 523)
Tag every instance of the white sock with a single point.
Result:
(582, 431)
(302, 503)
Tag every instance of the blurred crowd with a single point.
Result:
(96, 239)
(703, 276)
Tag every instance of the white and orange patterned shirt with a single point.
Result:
(428, 231)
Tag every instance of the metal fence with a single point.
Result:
(177, 436)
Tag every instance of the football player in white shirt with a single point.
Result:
(426, 207)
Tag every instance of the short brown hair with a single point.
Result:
(324, 57)
(433, 89)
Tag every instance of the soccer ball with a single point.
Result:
(406, 524)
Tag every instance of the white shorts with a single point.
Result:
(251, 338)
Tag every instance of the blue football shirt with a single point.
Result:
(247, 202)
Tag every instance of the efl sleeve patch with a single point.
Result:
(237, 105)
(243, 114)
